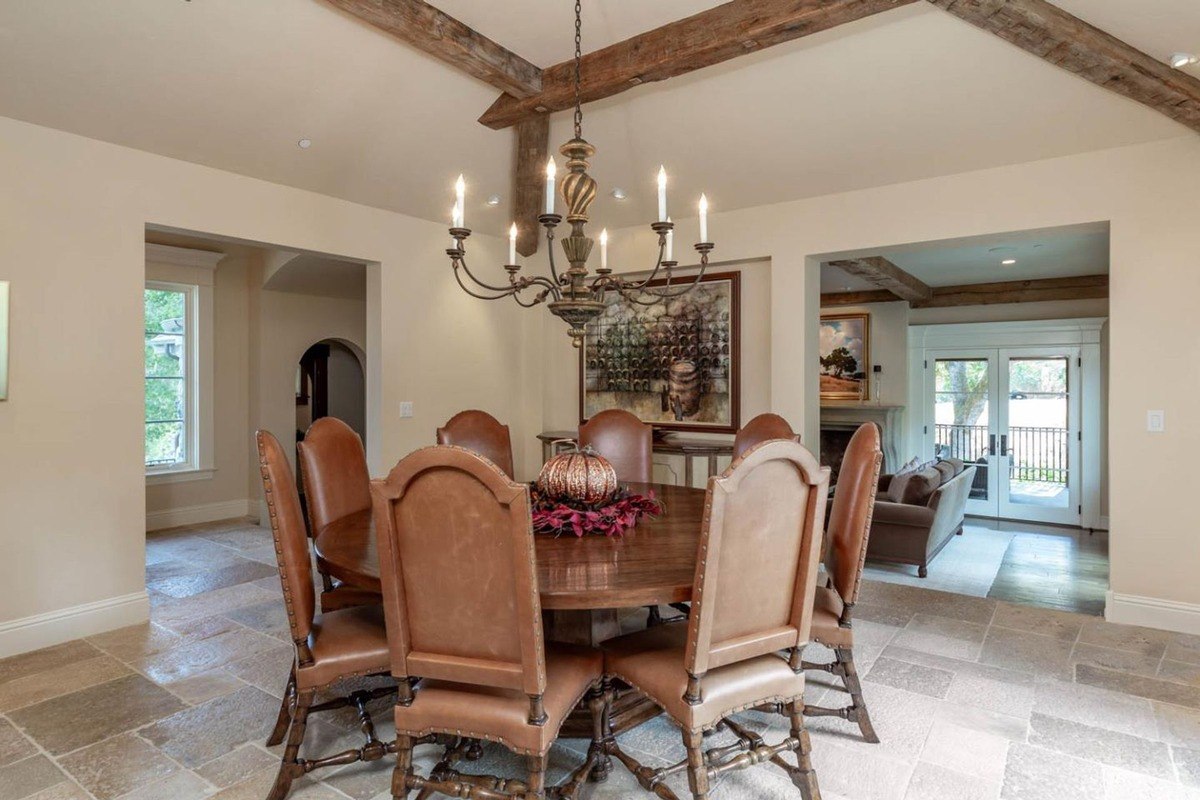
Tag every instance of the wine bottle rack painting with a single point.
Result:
(674, 363)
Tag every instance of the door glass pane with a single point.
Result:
(1038, 437)
(961, 415)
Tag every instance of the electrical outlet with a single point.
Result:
(1156, 421)
(406, 409)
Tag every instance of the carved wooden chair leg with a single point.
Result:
(536, 787)
(858, 708)
(285, 712)
(697, 764)
(400, 776)
(290, 767)
(599, 702)
(806, 778)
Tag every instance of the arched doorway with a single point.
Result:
(330, 383)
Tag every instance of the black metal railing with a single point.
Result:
(1035, 454)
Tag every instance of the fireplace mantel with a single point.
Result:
(848, 416)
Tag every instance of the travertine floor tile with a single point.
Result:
(41, 660)
(1147, 642)
(1187, 765)
(1139, 686)
(231, 574)
(911, 677)
(1043, 621)
(1102, 746)
(966, 750)
(81, 718)
(210, 730)
(1120, 784)
(28, 776)
(236, 766)
(1036, 774)
(1028, 652)
(181, 785)
(118, 765)
(1096, 707)
(57, 681)
(13, 744)
(933, 782)
(942, 636)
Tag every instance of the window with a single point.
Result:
(178, 353)
(171, 389)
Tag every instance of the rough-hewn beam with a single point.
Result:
(883, 274)
(701, 40)
(529, 180)
(1068, 42)
(1086, 287)
(442, 36)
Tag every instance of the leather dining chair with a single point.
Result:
(849, 524)
(482, 433)
(460, 589)
(333, 467)
(624, 440)
(762, 428)
(756, 576)
(329, 647)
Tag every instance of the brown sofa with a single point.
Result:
(917, 513)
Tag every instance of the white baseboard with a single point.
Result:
(55, 627)
(198, 515)
(1152, 612)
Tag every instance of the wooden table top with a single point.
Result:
(653, 564)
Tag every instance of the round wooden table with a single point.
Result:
(583, 582)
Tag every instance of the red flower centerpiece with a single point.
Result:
(577, 492)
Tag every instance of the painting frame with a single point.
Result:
(862, 392)
(734, 386)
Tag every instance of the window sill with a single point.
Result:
(179, 476)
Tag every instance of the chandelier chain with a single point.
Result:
(578, 59)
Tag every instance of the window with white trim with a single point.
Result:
(171, 390)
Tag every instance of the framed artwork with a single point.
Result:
(3, 340)
(845, 356)
(674, 364)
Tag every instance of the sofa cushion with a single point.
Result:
(914, 488)
(959, 464)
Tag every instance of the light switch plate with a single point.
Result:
(406, 409)
(1156, 421)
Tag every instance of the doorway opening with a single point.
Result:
(330, 382)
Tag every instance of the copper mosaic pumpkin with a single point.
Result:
(579, 475)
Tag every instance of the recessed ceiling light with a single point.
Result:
(304, 144)
(1180, 60)
(1008, 262)
(494, 200)
(619, 193)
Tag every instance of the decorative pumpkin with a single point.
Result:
(581, 475)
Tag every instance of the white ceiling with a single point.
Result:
(321, 276)
(907, 94)
(1047, 253)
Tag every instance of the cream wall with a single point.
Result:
(1145, 193)
(73, 213)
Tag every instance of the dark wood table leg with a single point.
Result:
(688, 470)
(630, 708)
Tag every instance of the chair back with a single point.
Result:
(481, 433)
(456, 560)
(853, 505)
(333, 466)
(759, 550)
(624, 440)
(291, 539)
(762, 428)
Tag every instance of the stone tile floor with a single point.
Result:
(973, 698)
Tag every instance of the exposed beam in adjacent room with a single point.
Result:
(1086, 287)
(1066, 41)
(701, 40)
(444, 37)
(529, 182)
(885, 275)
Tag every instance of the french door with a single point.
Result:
(1014, 414)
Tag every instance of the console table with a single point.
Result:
(671, 444)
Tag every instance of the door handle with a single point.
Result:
(1004, 444)
(991, 444)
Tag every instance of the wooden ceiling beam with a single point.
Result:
(701, 40)
(1066, 41)
(442, 36)
(529, 181)
(1085, 287)
(883, 274)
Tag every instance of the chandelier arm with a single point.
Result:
(471, 275)
(540, 298)
(682, 289)
(639, 285)
(549, 285)
(503, 293)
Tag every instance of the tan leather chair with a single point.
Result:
(755, 581)
(761, 429)
(624, 440)
(456, 556)
(333, 466)
(330, 647)
(481, 433)
(849, 524)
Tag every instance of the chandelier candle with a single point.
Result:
(550, 170)
(460, 197)
(575, 295)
